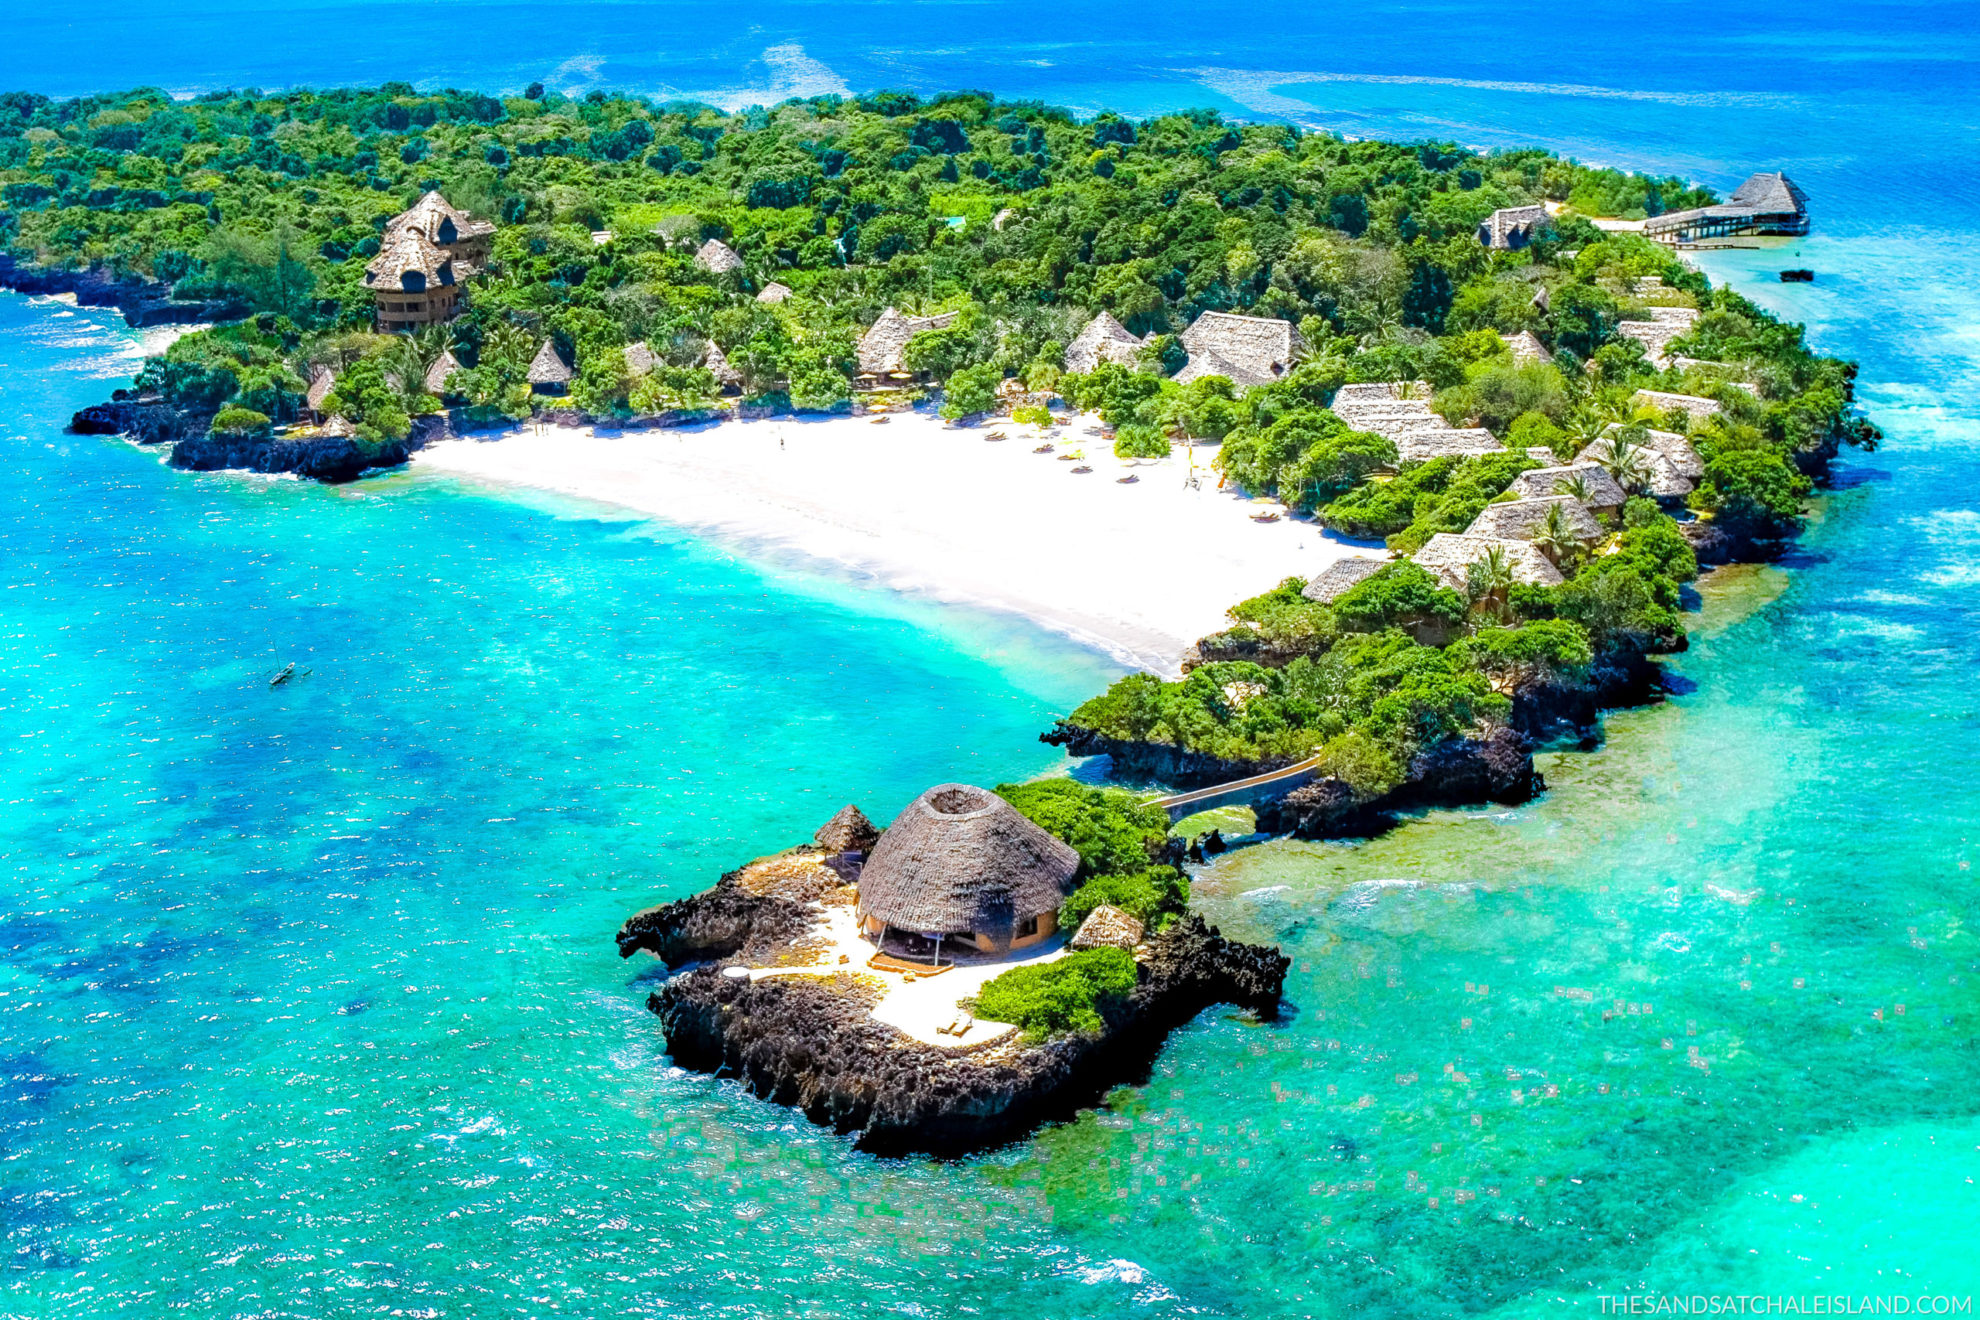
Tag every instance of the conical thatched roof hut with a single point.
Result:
(1107, 927)
(774, 292)
(849, 831)
(1104, 339)
(320, 385)
(961, 862)
(717, 362)
(548, 373)
(436, 375)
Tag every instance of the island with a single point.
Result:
(1498, 421)
(955, 980)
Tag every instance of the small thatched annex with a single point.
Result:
(640, 358)
(962, 864)
(1107, 927)
(548, 372)
(773, 292)
(1103, 339)
(1333, 581)
(1450, 557)
(848, 831)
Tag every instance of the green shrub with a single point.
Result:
(1397, 594)
(1144, 896)
(1383, 508)
(1112, 830)
(240, 421)
(1137, 441)
(1069, 994)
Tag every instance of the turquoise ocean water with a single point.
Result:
(310, 1008)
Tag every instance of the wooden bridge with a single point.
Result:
(1259, 788)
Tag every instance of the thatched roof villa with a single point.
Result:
(1766, 204)
(464, 238)
(717, 257)
(961, 866)
(880, 348)
(1605, 493)
(1338, 577)
(548, 372)
(1512, 227)
(1450, 556)
(1521, 520)
(1249, 350)
(1103, 339)
(1400, 413)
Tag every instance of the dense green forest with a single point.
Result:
(1026, 220)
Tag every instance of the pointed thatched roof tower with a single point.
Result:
(961, 860)
(548, 373)
(849, 831)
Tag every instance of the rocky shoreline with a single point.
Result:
(143, 302)
(809, 1041)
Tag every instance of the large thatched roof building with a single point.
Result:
(424, 254)
(1767, 203)
(962, 864)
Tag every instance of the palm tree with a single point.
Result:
(405, 369)
(1575, 486)
(1489, 583)
(509, 344)
(1555, 537)
(1623, 457)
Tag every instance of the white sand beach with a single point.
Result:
(1138, 570)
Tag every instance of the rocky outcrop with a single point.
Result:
(805, 1041)
(332, 458)
(1456, 772)
(143, 302)
(147, 419)
(727, 921)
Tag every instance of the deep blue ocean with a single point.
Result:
(310, 1007)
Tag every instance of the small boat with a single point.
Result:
(1081, 468)
(288, 672)
(994, 435)
(880, 421)
(1128, 480)
(1042, 449)
(1264, 517)
(1797, 277)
